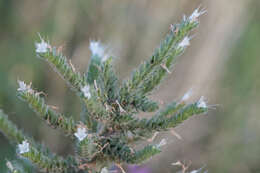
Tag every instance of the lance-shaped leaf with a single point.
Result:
(15, 167)
(45, 112)
(61, 65)
(118, 150)
(107, 82)
(75, 81)
(10, 130)
(87, 149)
(162, 122)
(151, 72)
(169, 109)
(144, 154)
(95, 108)
(97, 58)
(139, 103)
(28, 148)
(93, 69)
(48, 163)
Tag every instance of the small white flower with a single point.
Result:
(86, 91)
(104, 170)
(41, 47)
(104, 58)
(96, 48)
(24, 147)
(172, 27)
(200, 170)
(10, 166)
(178, 163)
(81, 133)
(194, 16)
(22, 86)
(194, 171)
(184, 17)
(187, 95)
(201, 103)
(184, 43)
(162, 143)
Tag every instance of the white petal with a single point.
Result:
(199, 170)
(184, 43)
(96, 48)
(86, 91)
(41, 47)
(162, 143)
(194, 16)
(104, 58)
(104, 170)
(184, 17)
(10, 166)
(22, 86)
(178, 163)
(201, 103)
(194, 171)
(187, 95)
(81, 133)
(24, 147)
(99, 50)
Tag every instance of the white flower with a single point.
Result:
(200, 170)
(23, 87)
(194, 171)
(104, 170)
(24, 147)
(10, 166)
(41, 47)
(162, 143)
(184, 17)
(184, 43)
(96, 48)
(86, 91)
(178, 163)
(187, 95)
(201, 103)
(104, 58)
(194, 16)
(81, 133)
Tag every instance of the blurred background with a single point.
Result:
(222, 64)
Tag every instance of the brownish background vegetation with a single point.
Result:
(222, 64)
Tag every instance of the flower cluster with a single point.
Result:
(109, 124)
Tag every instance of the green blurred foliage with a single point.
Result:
(235, 145)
